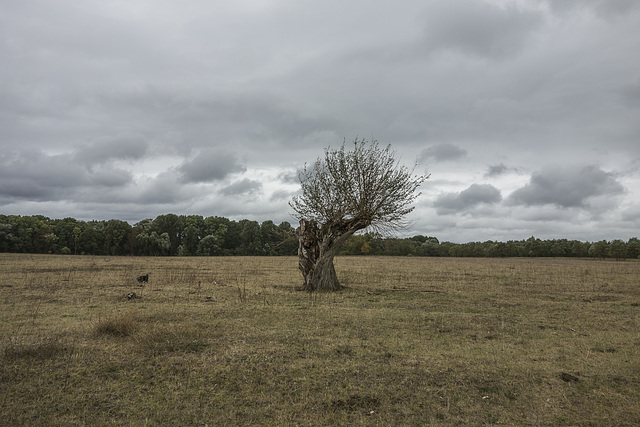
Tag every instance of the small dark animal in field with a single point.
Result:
(132, 295)
(143, 279)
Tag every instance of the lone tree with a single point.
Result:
(345, 192)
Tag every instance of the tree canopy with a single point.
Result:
(344, 192)
(366, 187)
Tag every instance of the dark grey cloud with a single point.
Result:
(567, 187)
(105, 150)
(500, 169)
(496, 170)
(211, 165)
(242, 187)
(441, 153)
(476, 194)
(30, 174)
(479, 28)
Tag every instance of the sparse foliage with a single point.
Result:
(366, 186)
(347, 191)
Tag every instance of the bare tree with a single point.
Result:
(345, 192)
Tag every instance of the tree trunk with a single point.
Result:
(316, 250)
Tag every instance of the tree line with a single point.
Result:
(194, 235)
(373, 244)
(166, 235)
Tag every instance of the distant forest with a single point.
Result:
(194, 235)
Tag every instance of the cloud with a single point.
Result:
(479, 28)
(162, 189)
(476, 194)
(604, 8)
(630, 95)
(209, 166)
(566, 187)
(289, 176)
(110, 177)
(281, 195)
(100, 152)
(632, 215)
(244, 187)
(31, 174)
(498, 170)
(442, 152)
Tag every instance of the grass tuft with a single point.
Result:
(47, 348)
(118, 326)
(162, 339)
(366, 404)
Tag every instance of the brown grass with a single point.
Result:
(228, 341)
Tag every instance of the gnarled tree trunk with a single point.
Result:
(317, 246)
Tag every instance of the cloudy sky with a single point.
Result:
(525, 113)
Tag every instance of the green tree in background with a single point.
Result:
(215, 236)
(633, 248)
(618, 249)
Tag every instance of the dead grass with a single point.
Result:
(42, 349)
(120, 326)
(228, 341)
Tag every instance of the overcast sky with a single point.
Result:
(525, 113)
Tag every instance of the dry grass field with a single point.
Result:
(229, 341)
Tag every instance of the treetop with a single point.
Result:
(365, 186)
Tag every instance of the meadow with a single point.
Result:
(231, 341)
